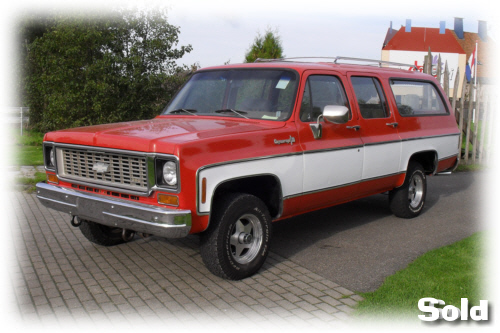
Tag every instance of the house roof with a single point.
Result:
(421, 39)
(390, 33)
(483, 52)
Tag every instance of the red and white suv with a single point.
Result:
(240, 146)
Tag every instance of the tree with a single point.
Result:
(265, 47)
(31, 27)
(91, 70)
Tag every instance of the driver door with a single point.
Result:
(333, 164)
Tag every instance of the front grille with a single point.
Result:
(116, 169)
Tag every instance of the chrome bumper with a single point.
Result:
(154, 220)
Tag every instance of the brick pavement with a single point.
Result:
(59, 278)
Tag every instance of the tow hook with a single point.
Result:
(75, 221)
(144, 235)
(127, 235)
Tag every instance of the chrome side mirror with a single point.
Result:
(336, 114)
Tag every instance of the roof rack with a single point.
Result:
(337, 59)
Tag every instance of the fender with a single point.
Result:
(252, 184)
(286, 170)
(428, 159)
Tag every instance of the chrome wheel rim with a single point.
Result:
(416, 191)
(246, 239)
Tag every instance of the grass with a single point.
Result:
(28, 155)
(30, 183)
(448, 273)
(30, 138)
(470, 167)
(28, 148)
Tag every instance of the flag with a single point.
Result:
(471, 65)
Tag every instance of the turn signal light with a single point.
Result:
(52, 178)
(203, 190)
(167, 199)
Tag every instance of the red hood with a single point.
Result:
(160, 135)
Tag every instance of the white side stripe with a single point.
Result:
(316, 171)
(289, 169)
(332, 168)
(380, 160)
(444, 146)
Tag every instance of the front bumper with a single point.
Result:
(154, 220)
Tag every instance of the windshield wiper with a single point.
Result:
(189, 111)
(239, 113)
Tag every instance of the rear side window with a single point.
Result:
(417, 98)
(370, 97)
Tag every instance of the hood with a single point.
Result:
(159, 135)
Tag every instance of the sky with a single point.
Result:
(222, 31)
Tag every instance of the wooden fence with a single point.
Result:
(475, 116)
(17, 116)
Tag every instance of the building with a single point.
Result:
(411, 44)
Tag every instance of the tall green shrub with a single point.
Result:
(265, 47)
(86, 70)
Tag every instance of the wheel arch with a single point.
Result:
(427, 158)
(266, 187)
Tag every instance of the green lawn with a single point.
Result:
(448, 273)
(470, 167)
(31, 182)
(28, 148)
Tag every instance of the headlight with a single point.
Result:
(52, 158)
(49, 153)
(170, 173)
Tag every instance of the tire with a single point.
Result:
(101, 234)
(236, 243)
(408, 200)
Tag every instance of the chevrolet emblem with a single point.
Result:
(100, 167)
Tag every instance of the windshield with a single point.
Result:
(253, 94)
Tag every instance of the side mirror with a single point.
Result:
(336, 114)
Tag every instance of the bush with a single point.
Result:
(83, 70)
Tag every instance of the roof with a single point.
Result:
(421, 39)
(388, 36)
(483, 54)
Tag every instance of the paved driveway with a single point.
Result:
(60, 278)
(360, 243)
(316, 262)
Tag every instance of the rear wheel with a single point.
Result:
(408, 200)
(101, 234)
(236, 243)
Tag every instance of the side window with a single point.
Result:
(319, 91)
(417, 98)
(371, 99)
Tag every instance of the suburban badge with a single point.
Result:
(291, 140)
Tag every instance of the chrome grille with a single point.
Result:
(123, 171)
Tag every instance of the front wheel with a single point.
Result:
(408, 200)
(236, 243)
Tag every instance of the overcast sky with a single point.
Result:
(222, 31)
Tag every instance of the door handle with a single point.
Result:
(355, 127)
(394, 125)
